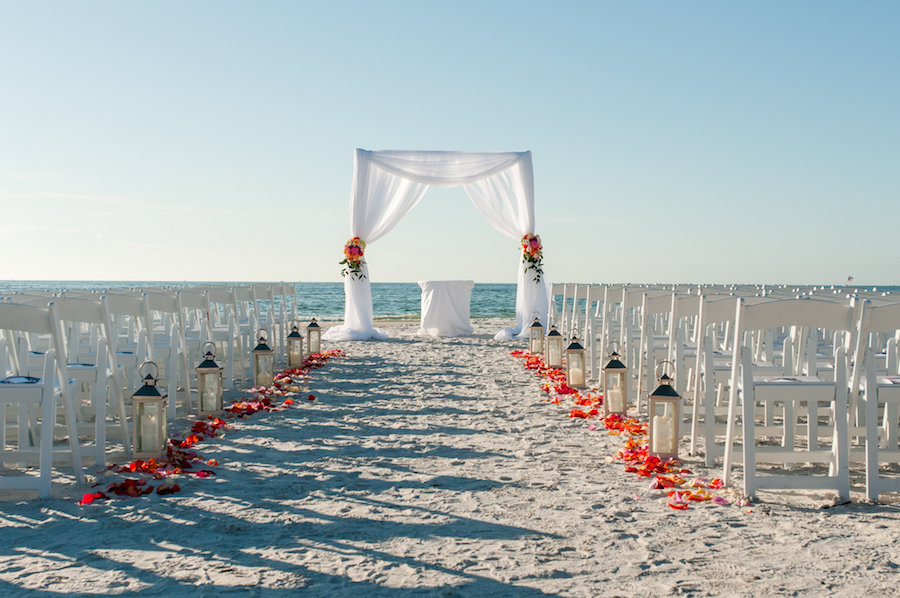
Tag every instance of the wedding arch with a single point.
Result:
(388, 184)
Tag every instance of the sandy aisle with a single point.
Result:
(434, 467)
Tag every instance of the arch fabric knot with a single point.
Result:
(533, 255)
(354, 249)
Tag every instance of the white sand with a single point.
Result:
(434, 467)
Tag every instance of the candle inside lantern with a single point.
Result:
(662, 435)
(208, 400)
(553, 353)
(264, 371)
(616, 400)
(149, 432)
(575, 369)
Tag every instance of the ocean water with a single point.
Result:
(326, 299)
(323, 299)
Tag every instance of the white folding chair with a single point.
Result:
(557, 289)
(196, 326)
(712, 373)
(628, 333)
(35, 439)
(246, 320)
(592, 307)
(579, 296)
(608, 325)
(775, 429)
(225, 333)
(653, 340)
(166, 344)
(98, 369)
(564, 324)
(268, 316)
(881, 399)
(128, 339)
(683, 341)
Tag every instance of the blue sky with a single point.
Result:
(672, 141)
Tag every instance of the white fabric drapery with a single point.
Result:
(445, 307)
(388, 184)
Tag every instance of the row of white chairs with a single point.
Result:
(807, 375)
(81, 349)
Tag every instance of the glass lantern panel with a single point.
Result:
(575, 361)
(148, 438)
(663, 440)
(615, 392)
(264, 368)
(537, 338)
(295, 354)
(576, 368)
(209, 391)
(553, 353)
(164, 422)
(314, 342)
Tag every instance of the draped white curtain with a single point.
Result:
(388, 184)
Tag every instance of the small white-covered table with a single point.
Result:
(445, 307)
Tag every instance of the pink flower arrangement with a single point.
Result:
(353, 258)
(532, 254)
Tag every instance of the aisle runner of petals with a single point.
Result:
(667, 476)
(182, 459)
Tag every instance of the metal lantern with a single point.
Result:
(665, 416)
(575, 364)
(263, 361)
(294, 347)
(209, 383)
(536, 336)
(149, 416)
(314, 336)
(615, 384)
(554, 347)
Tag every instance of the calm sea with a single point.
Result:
(325, 299)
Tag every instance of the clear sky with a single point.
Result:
(672, 141)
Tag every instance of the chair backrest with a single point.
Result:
(810, 312)
(222, 302)
(579, 295)
(75, 311)
(263, 300)
(244, 300)
(557, 289)
(194, 307)
(799, 317)
(126, 310)
(875, 318)
(17, 317)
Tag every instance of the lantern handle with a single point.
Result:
(211, 352)
(262, 334)
(662, 363)
(612, 347)
(155, 375)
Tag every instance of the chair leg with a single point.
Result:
(48, 422)
(117, 396)
(98, 398)
(172, 408)
(871, 414)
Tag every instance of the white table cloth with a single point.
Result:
(445, 307)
